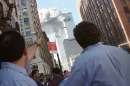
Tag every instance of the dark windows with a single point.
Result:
(127, 10)
(129, 19)
(28, 33)
(23, 2)
(26, 21)
(102, 13)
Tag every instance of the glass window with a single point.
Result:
(129, 19)
(126, 9)
(123, 2)
(27, 28)
(109, 10)
(26, 21)
(25, 14)
(28, 33)
(23, 2)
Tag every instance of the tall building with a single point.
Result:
(122, 8)
(44, 52)
(72, 50)
(8, 14)
(58, 26)
(24, 20)
(30, 28)
(103, 14)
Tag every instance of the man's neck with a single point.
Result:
(20, 63)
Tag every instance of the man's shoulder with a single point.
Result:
(6, 74)
(10, 78)
(95, 54)
(100, 53)
(100, 50)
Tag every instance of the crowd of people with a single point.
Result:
(98, 64)
(54, 79)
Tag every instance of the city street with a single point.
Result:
(58, 25)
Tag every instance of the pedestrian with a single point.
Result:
(36, 77)
(98, 64)
(42, 78)
(15, 57)
(57, 77)
(66, 73)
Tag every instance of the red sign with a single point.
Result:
(52, 46)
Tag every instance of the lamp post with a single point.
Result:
(60, 66)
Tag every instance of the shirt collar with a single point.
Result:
(14, 67)
(92, 46)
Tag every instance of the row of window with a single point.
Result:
(101, 13)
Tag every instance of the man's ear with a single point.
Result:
(25, 52)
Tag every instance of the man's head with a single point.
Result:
(35, 74)
(86, 34)
(12, 46)
(57, 71)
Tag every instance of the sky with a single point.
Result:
(63, 5)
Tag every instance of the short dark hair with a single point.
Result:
(86, 34)
(56, 71)
(34, 72)
(12, 46)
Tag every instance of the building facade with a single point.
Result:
(72, 50)
(22, 15)
(30, 28)
(103, 14)
(122, 8)
(8, 14)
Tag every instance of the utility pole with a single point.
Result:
(60, 66)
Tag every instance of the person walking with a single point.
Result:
(36, 77)
(98, 64)
(57, 77)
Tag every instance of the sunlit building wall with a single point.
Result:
(30, 28)
(103, 14)
(8, 14)
(122, 8)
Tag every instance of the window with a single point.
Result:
(1, 10)
(25, 14)
(27, 28)
(123, 2)
(129, 19)
(109, 10)
(23, 2)
(126, 9)
(26, 21)
(112, 19)
(28, 33)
